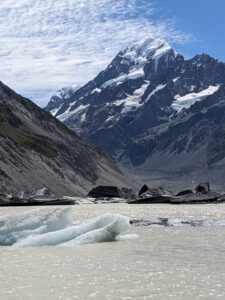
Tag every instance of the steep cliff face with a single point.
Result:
(151, 105)
(37, 150)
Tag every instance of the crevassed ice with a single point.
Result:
(49, 228)
(134, 100)
(185, 102)
(38, 221)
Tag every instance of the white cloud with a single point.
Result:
(48, 44)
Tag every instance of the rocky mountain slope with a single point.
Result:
(37, 150)
(156, 112)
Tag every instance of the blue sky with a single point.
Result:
(204, 19)
(49, 44)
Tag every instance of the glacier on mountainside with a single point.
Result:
(132, 101)
(68, 113)
(42, 227)
(185, 102)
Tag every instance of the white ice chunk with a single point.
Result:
(38, 221)
(55, 227)
(108, 227)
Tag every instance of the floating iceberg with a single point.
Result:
(49, 228)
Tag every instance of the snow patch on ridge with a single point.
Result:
(68, 113)
(132, 101)
(65, 92)
(176, 79)
(156, 90)
(55, 111)
(96, 90)
(185, 102)
(134, 74)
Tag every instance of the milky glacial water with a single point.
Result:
(162, 263)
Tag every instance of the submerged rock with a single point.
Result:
(16, 201)
(197, 198)
(151, 200)
(174, 222)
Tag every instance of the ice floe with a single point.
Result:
(44, 227)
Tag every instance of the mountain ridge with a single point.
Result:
(37, 150)
(149, 87)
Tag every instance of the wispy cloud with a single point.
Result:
(49, 44)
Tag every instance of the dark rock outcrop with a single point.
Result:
(152, 195)
(186, 192)
(143, 190)
(201, 195)
(156, 191)
(203, 188)
(105, 191)
(128, 193)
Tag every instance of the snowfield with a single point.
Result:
(188, 100)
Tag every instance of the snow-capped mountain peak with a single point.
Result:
(151, 107)
(145, 91)
(128, 66)
(65, 92)
(144, 49)
(60, 97)
(131, 62)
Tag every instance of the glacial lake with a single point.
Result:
(160, 263)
